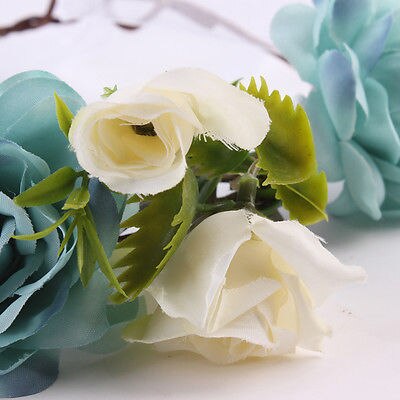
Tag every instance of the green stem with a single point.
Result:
(247, 190)
(218, 207)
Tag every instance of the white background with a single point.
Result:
(362, 359)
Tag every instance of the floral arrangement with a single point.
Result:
(349, 50)
(115, 226)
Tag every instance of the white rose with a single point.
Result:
(242, 286)
(136, 141)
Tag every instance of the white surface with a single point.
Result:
(361, 360)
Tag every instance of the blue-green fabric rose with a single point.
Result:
(43, 305)
(349, 50)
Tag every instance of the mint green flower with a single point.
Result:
(43, 306)
(349, 50)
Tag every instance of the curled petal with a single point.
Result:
(225, 112)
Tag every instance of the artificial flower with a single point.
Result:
(241, 286)
(349, 50)
(43, 305)
(136, 141)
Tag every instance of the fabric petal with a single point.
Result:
(22, 95)
(325, 139)
(41, 123)
(294, 39)
(338, 86)
(36, 373)
(348, 17)
(378, 134)
(198, 273)
(387, 73)
(343, 205)
(371, 42)
(363, 179)
(226, 112)
(389, 171)
(321, 272)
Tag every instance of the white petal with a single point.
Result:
(226, 112)
(193, 278)
(321, 272)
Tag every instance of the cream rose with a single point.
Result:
(242, 286)
(136, 141)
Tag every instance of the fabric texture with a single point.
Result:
(349, 50)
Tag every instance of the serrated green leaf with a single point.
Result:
(305, 201)
(47, 231)
(287, 152)
(52, 189)
(64, 115)
(78, 199)
(162, 226)
(211, 158)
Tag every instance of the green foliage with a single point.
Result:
(90, 251)
(162, 225)
(107, 91)
(287, 152)
(211, 158)
(64, 115)
(305, 201)
(47, 231)
(287, 156)
(78, 199)
(52, 189)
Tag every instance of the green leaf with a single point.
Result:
(287, 153)
(212, 158)
(47, 231)
(50, 190)
(86, 257)
(98, 251)
(107, 91)
(78, 199)
(64, 115)
(162, 226)
(305, 201)
(67, 236)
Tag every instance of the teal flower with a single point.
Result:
(43, 306)
(349, 50)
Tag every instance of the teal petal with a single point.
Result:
(348, 17)
(32, 311)
(387, 72)
(294, 39)
(45, 138)
(23, 76)
(30, 372)
(105, 214)
(363, 179)
(82, 320)
(378, 134)
(343, 205)
(393, 42)
(17, 164)
(325, 139)
(371, 42)
(23, 225)
(361, 96)
(30, 264)
(29, 119)
(389, 171)
(338, 86)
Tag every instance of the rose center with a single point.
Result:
(144, 130)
